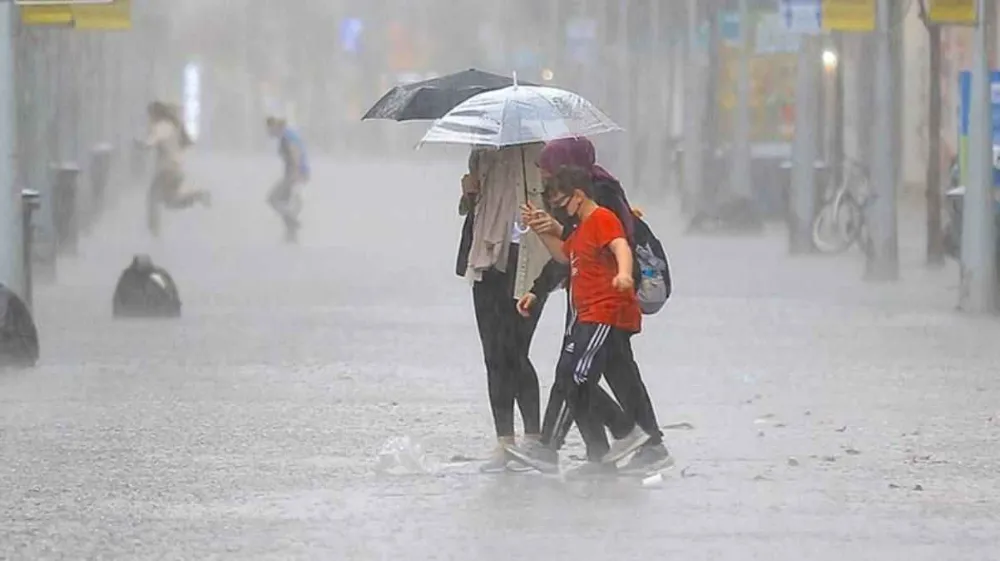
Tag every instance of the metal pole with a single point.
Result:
(11, 249)
(805, 147)
(882, 263)
(693, 108)
(838, 109)
(739, 179)
(978, 230)
(626, 90)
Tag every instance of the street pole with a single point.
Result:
(838, 109)
(626, 90)
(882, 263)
(978, 230)
(739, 178)
(935, 236)
(11, 234)
(660, 62)
(694, 106)
(805, 146)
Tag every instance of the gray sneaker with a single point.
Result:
(496, 464)
(592, 470)
(625, 446)
(502, 461)
(649, 459)
(535, 454)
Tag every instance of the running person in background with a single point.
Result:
(286, 197)
(168, 137)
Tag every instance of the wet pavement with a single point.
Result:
(826, 418)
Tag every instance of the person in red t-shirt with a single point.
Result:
(602, 293)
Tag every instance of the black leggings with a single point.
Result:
(506, 339)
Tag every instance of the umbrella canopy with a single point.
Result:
(519, 115)
(432, 99)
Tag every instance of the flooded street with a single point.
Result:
(812, 416)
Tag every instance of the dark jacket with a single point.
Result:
(465, 206)
(18, 336)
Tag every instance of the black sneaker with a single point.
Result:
(535, 454)
(649, 459)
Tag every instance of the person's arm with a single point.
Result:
(552, 275)
(157, 133)
(623, 256)
(555, 246)
(295, 161)
(611, 235)
(466, 204)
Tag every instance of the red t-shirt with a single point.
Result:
(593, 267)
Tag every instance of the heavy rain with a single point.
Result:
(283, 279)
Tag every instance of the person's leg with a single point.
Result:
(490, 323)
(558, 419)
(577, 375)
(653, 455)
(283, 199)
(153, 201)
(580, 367)
(528, 395)
(624, 378)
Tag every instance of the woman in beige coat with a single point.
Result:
(502, 260)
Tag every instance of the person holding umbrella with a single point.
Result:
(502, 262)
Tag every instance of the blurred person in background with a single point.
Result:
(502, 263)
(168, 138)
(286, 195)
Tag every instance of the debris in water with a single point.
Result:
(918, 487)
(841, 429)
(402, 455)
(761, 478)
(895, 486)
(852, 452)
(654, 480)
(793, 462)
(688, 473)
(829, 458)
(463, 458)
(678, 426)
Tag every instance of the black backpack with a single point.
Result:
(18, 335)
(146, 292)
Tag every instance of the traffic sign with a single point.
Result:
(80, 14)
(952, 11)
(801, 16)
(849, 15)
